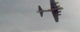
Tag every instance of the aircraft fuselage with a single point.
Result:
(54, 9)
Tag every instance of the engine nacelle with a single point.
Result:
(60, 8)
(57, 2)
(59, 14)
(58, 5)
(59, 11)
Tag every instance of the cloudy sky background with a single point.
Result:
(21, 16)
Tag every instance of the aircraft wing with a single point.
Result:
(54, 12)
(55, 15)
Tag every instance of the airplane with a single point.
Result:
(54, 9)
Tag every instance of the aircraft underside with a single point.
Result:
(54, 9)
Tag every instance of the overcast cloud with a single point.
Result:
(21, 16)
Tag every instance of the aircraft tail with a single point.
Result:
(40, 11)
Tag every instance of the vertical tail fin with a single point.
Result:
(40, 11)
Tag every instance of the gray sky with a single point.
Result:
(21, 16)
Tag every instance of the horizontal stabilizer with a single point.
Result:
(40, 11)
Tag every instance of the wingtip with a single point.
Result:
(57, 21)
(41, 16)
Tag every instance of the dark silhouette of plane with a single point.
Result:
(54, 9)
